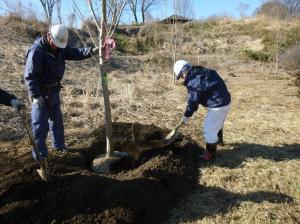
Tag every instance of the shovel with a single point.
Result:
(42, 172)
(172, 135)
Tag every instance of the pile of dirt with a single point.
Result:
(143, 188)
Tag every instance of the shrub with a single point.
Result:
(290, 59)
(257, 55)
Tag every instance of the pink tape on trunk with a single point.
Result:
(110, 44)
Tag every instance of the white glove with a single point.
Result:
(39, 101)
(95, 50)
(17, 104)
(185, 119)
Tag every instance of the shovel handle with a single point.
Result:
(178, 126)
(23, 115)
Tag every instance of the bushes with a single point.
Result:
(19, 27)
(257, 55)
(291, 58)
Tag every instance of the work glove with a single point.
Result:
(17, 104)
(95, 50)
(185, 119)
(38, 101)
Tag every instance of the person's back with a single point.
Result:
(207, 87)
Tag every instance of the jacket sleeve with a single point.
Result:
(193, 102)
(77, 54)
(33, 72)
(5, 97)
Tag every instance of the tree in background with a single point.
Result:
(58, 8)
(293, 7)
(19, 8)
(274, 9)
(144, 6)
(242, 9)
(184, 8)
(133, 5)
(48, 6)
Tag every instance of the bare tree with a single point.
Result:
(184, 8)
(242, 9)
(58, 8)
(293, 6)
(71, 19)
(133, 5)
(145, 6)
(48, 6)
(19, 8)
(109, 22)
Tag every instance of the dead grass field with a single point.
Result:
(257, 177)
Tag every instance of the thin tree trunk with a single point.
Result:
(136, 19)
(143, 16)
(104, 81)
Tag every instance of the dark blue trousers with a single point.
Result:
(45, 118)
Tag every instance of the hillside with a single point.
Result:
(256, 179)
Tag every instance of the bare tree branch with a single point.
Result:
(58, 8)
(83, 20)
(48, 6)
(145, 6)
(93, 14)
(133, 5)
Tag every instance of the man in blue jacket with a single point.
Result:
(207, 88)
(45, 67)
(10, 100)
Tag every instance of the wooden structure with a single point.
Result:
(175, 19)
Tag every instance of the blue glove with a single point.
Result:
(17, 104)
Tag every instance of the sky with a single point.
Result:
(201, 9)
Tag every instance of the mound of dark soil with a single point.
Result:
(142, 189)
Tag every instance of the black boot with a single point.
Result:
(220, 138)
(211, 152)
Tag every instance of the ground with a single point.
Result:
(255, 179)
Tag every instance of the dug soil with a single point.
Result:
(142, 188)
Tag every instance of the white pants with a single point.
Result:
(214, 122)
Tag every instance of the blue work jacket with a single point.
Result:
(205, 87)
(45, 67)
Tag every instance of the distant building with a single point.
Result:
(175, 19)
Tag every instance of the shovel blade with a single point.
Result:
(170, 135)
(43, 175)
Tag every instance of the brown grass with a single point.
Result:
(260, 160)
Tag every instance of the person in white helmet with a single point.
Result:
(45, 67)
(207, 88)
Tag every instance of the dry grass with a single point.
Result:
(255, 180)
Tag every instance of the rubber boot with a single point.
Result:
(211, 152)
(220, 137)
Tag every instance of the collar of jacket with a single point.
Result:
(46, 46)
(194, 71)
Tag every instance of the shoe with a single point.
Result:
(207, 157)
(211, 153)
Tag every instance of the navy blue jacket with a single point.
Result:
(45, 66)
(205, 87)
(5, 97)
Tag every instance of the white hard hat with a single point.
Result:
(178, 67)
(59, 35)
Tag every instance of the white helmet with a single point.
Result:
(178, 67)
(59, 35)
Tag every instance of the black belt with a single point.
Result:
(54, 84)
